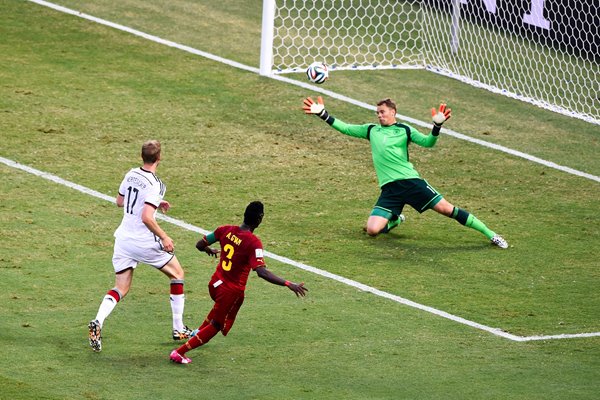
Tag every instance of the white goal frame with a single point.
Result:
(537, 51)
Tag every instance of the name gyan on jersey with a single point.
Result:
(233, 238)
(136, 181)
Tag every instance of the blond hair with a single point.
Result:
(151, 151)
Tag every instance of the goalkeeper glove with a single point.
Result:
(440, 116)
(318, 108)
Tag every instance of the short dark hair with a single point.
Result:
(151, 151)
(254, 213)
(388, 103)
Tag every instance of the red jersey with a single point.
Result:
(241, 252)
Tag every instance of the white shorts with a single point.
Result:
(128, 253)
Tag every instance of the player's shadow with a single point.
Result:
(395, 241)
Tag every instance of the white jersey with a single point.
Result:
(138, 188)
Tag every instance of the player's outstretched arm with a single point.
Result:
(297, 288)
(317, 108)
(439, 116)
(202, 245)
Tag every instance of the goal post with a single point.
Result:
(266, 41)
(345, 34)
(542, 52)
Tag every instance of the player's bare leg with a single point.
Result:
(377, 224)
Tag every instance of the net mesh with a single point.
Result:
(545, 54)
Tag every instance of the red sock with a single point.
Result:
(114, 294)
(202, 337)
(176, 286)
(207, 320)
(204, 324)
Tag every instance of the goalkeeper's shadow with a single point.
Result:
(397, 241)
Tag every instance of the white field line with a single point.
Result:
(315, 88)
(308, 268)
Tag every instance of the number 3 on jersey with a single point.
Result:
(226, 265)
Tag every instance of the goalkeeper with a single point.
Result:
(399, 181)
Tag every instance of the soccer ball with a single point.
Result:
(317, 72)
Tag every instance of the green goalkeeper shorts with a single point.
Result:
(415, 192)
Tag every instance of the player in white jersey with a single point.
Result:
(139, 238)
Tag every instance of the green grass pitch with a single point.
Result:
(77, 99)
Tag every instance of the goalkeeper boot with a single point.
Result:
(178, 358)
(183, 334)
(95, 335)
(499, 241)
(393, 222)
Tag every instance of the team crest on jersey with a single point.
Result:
(259, 253)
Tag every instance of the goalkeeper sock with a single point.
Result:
(393, 222)
(469, 220)
(476, 224)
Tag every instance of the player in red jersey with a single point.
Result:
(241, 251)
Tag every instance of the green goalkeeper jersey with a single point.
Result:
(389, 147)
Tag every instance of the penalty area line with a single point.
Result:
(360, 286)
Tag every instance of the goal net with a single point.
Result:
(545, 53)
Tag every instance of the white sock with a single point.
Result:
(108, 304)
(177, 303)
